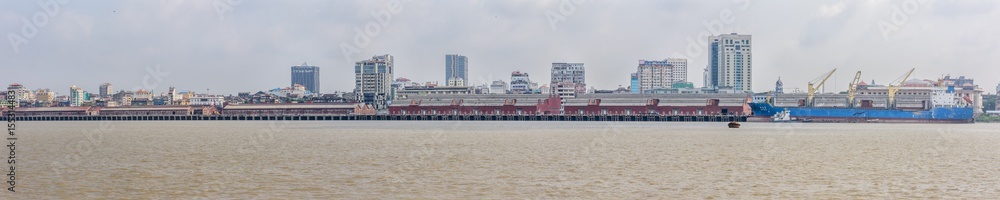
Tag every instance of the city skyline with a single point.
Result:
(124, 42)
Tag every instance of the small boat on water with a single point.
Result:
(734, 125)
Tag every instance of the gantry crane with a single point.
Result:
(813, 87)
(852, 89)
(895, 88)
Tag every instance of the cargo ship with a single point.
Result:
(945, 110)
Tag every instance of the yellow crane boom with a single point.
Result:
(813, 87)
(852, 89)
(895, 88)
(768, 98)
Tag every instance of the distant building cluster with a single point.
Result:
(729, 70)
(377, 87)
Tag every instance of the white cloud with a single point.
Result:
(832, 10)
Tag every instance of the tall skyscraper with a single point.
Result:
(456, 70)
(106, 90)
(730, 62)
(307, 76)
(657, 74)
(373, 81)
(569, 73)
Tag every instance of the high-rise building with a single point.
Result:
(569, 73)
(76, 96)
(373, 81)
(20, 92)
(456, 70)
(172, 97)
(660, 74)
(635, 83)
(106, 90)
(520, 83)
(730, 59)
(307, 76)
(779, 88)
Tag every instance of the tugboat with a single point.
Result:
(734, 124)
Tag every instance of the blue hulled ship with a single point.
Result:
(932, 115)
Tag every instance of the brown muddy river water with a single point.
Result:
(504, 160)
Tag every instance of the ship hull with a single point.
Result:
(933, 115)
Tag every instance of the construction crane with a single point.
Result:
(813, 86)
(852, 89)
(895, 88)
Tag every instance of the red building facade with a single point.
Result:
(478, 106)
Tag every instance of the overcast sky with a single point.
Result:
(233, 46)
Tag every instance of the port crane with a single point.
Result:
(768, 98)
(813, 87)
(852, 89)
(895, 88)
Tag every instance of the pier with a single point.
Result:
(637, 118)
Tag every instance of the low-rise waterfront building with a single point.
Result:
(289, 109)
(51, 111)
(207, 100)
(156, 111)
(657, 104)
(489, 104)
(408, 91)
